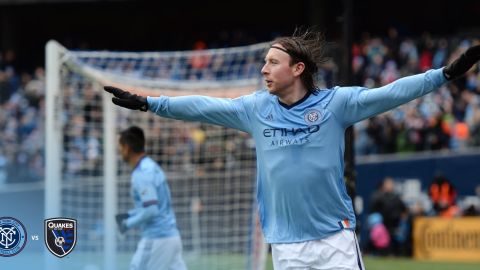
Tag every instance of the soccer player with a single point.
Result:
(160, 246)
(305, 212)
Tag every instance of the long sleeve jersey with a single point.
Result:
(152, 211)
(301, 192)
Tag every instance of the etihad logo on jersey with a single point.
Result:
(287, 142)
(294, 135)
(289, 136)
(287, 132)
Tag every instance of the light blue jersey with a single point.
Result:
(153, 212)
(300, 186)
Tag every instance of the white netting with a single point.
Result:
(210, 169)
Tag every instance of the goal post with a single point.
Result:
(53, 153)
(211, 170)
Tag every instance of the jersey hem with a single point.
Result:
(320, 237)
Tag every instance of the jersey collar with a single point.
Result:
(288, 107)
(139, 161)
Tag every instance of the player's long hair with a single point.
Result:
(307, 46)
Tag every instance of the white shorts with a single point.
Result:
(339, 251)
(159, 254)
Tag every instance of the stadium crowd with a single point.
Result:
(445, 119)
(22, 116)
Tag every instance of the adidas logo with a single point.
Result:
(269, 117)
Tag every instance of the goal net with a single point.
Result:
(210, 169)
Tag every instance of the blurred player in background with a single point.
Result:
(160, 246)
(298, 129)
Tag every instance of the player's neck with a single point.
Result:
(135, 159)
(291, 97)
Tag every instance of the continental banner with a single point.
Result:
(444, 239)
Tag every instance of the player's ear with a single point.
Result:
(298, 68)
(124, 148)
(128, 149)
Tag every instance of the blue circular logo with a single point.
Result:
(13, 236)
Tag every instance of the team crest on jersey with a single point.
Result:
(13, 236)
(60, 235)
(312, 116)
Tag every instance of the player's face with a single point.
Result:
(277, 71)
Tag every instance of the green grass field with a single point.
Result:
(82, 261)
(377, 263)
(371, 263)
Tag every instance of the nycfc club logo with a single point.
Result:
(13, 236)
(312, 116)
(60, 235)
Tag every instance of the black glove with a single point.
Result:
(462, 64)
(126, 99)
(121, 222)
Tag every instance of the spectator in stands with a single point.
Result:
(199, 61)
(378, 236)
(440, 56)
(435, 136)
(35, 88)
(390, 206)
(5, 88)
(392, 43)
(473, 209)
(474, 124)
(443, 196)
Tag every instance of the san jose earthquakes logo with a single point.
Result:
(312, 116)
(60, 235)
(13, 236)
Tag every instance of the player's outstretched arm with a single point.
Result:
(217, 111)
(352, 104)
(462, 64)
(127, 100)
